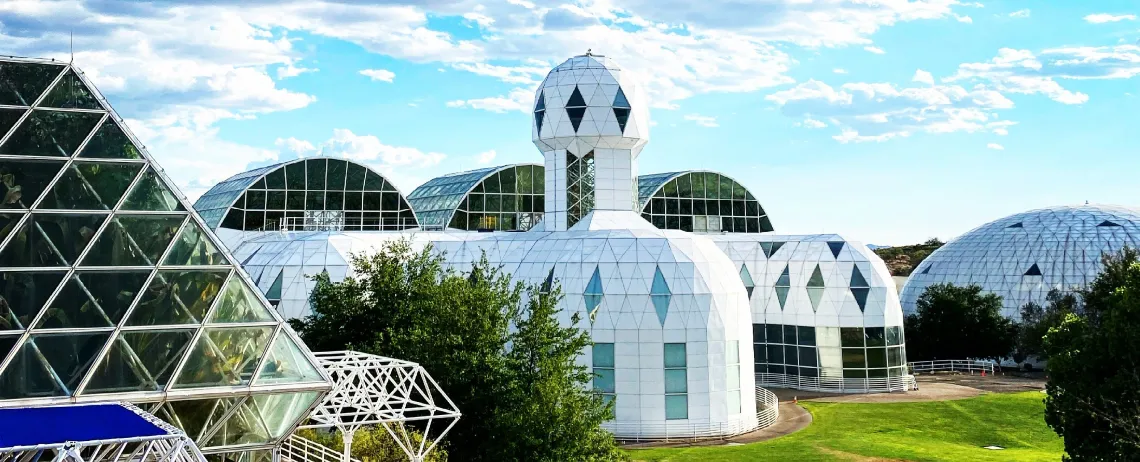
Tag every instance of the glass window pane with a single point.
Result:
(66, 356)
(281, 411)
(50, 240)
(791, 355)
(790, 335)
(604, 380)
(775, 333)
(275, 179)
(239, 304)
(194, 248)
(355, 177)
(22, 295)
(676, 381)
(110, 143)
(733, 352)
(177, 297)
(733, 378)
(70, 93)
(675, 355)
(807, 357)
(852, 336)
(876, 357)
(676, 407)
(775, 354)
(759, 354)
(151, 194)
(894, 335)
(337, 170)
(91, 186)
(94, 299)
(853, 358)
(140, 361)
(224, 356)
(295, 175)
(758, 333)
(875, 336)
(137, 240)
(295, 200)
(895, 357)
(24, 82)
(854, 373)
(24, 180)
(603, 355)
(50, 133)
(316, 174)
(287, 363)
(806, 335)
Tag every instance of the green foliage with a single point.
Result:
(902, 260)
(1094, 366)
(953, 322)
(520, 392)
(369, 444)
(955, 430)
(1036, 321)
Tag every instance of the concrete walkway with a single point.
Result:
(793, 418)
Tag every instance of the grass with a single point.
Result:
(926, 431)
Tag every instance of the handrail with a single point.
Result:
(834, 384)
(297, 448)
(767, 412)
(970, 366)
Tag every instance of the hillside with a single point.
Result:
(901, 260)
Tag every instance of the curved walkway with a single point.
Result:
(793, 418)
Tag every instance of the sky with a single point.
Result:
(886, 121)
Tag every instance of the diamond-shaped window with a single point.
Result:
(593, 294)
(660, 295)
(576, 108)
(815, 287)
(746, 278)
(783, 284)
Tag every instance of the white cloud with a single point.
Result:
(704, 121)
(1001, 127)
(292, 70)
(1024, 72)
(486, 157)
(995, 146)
(965, 19)
(922, 76)
(518, 99)
(875, 50)
(812, 123)
(295, 146)
(368, 148)
(839, 71)
(1023, 13)
(381, 75)
(1101, 18)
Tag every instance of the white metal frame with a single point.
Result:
(375, 390)
(174, 446)
(969, 366)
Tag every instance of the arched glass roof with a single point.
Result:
(700, 201)
(312, 193)
(504, 198)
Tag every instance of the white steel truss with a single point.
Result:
(174, 446)
(374, 390)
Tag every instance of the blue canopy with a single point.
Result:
(34, 426)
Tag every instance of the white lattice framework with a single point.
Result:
(375, 390)
(174, 446)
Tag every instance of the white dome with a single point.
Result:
(588, 102)
(1023, 256)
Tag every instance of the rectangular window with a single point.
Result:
(676, 382)
(604, 370)
(733, 369)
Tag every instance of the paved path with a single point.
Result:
(793, 418)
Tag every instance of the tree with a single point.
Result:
(1093, 391)
(496, 348)
(1036, 320)
(953, 322)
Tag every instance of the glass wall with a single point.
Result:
(603, 354)
(495, 199)
(702, 202)
(319, 194)
(829, 352)
(580, 189)
(676, 382)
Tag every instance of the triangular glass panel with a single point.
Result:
(140, 361)
(50, 240)
(595, 285)
(280, 411)
(785, 279)
(1016, 225)
(815, 294)
(93, 299)
(23, 294)
(860, 295)
(770, 248)
(926, 270)
(660, 295)
(1107, 223)
(1033, 271)
(287, 363)
(70, 93)
(835, 247)
(538, 116)
(622, 116)
(541, 104)
(857, 279)
(593, 302)
(50, 364)
(660, 287)
(8, 118)
(25, 180)
(22, 83)
(193, 248)
(8, 343)
(224, 356)
(177, 297)
(373, 181)
(661, 306)
(782, 294)
(196, 417)
(746, 278)
(576, 114)
(239, 304)
(137, 240)
(548, 284)
(576, 99)
(151, 194)
(90, 186)
(243, 427)
(110, 142)
(50, 133)
(619, 99)
(274, 292)
(816, 279)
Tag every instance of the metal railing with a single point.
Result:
(341, 224)
(834, 384)
(767, 412)
(297, 448)
(969, 366)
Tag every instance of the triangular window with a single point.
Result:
(835, 247)
(194, 248)
(548, 284)
(815, 287)
(746, 278)
(576, 108)
(621, 109)
(50, 133)
(1106, 224)
(783, 284)
(140, 361)
(926, 270)
(286, 363)
(1016, 225)
(22, 83)
(70, 93)
(660, 295)
(857, 279)
(239, 304)
(593, 294)
(1033, 271)
(540, 111)
(110, 142)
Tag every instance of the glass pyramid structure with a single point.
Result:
(111, 289)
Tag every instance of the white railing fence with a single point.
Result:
(834, 384)
(297, 448)
(969, 366)
(767, 412)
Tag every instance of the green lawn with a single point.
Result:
(944, 430)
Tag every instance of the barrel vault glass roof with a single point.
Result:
(700, 201)
(436, 201)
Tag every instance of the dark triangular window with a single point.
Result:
(576, 108)
(835, 247)
(926, 270)
(576, 99)
(541, 105)
(770, 248)
(1107, 223)
(540, 111)
(1033, 271)
(548, 284)
(621, 109)
(620, 101)
(70, 93)
(22, 83)
(1016, 225)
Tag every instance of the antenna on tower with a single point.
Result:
(72, 45)
(589, 52)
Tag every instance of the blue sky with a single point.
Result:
(889, 122)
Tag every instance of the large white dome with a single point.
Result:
(589, 102)
(1023, 256)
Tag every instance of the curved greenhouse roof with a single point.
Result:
(504, 198)
(700, 201)
(311, 193)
